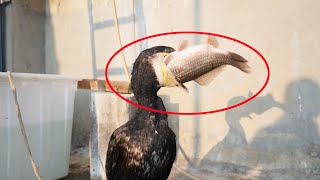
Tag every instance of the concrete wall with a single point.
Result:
(275, 133)
(25, 36)
(80, 36)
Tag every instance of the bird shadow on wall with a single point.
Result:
(218, 158)
(294, 135)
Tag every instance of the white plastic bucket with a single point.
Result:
(46, 103)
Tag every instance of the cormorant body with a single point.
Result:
(144, 148)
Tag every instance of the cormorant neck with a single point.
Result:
(145, 91)
(151, 100)
(147, 99)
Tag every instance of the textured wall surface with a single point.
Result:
(25, 36)
(275, 136)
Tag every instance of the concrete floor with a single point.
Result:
(80, 170)
(80, 166)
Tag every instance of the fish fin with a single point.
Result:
(183, 44)
(180, 85)
(237, 57)
(240, 62)
(208, 77)
(213, 41)
(168, 59)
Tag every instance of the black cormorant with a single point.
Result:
(144, 148)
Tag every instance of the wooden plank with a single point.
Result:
(123, 87)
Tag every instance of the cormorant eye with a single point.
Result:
(167, 50)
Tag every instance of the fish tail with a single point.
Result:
(240, 62)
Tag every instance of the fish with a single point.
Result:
(201, 63)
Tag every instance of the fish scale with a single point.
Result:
(195, 61)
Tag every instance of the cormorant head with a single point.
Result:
(147, 77)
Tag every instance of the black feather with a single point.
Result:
(144, 148)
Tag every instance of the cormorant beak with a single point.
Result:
(165, 56)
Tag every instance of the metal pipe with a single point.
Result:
(1, 38)
(3, 3)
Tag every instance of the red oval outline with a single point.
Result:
(188, 113)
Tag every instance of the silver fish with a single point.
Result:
(201, 63)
